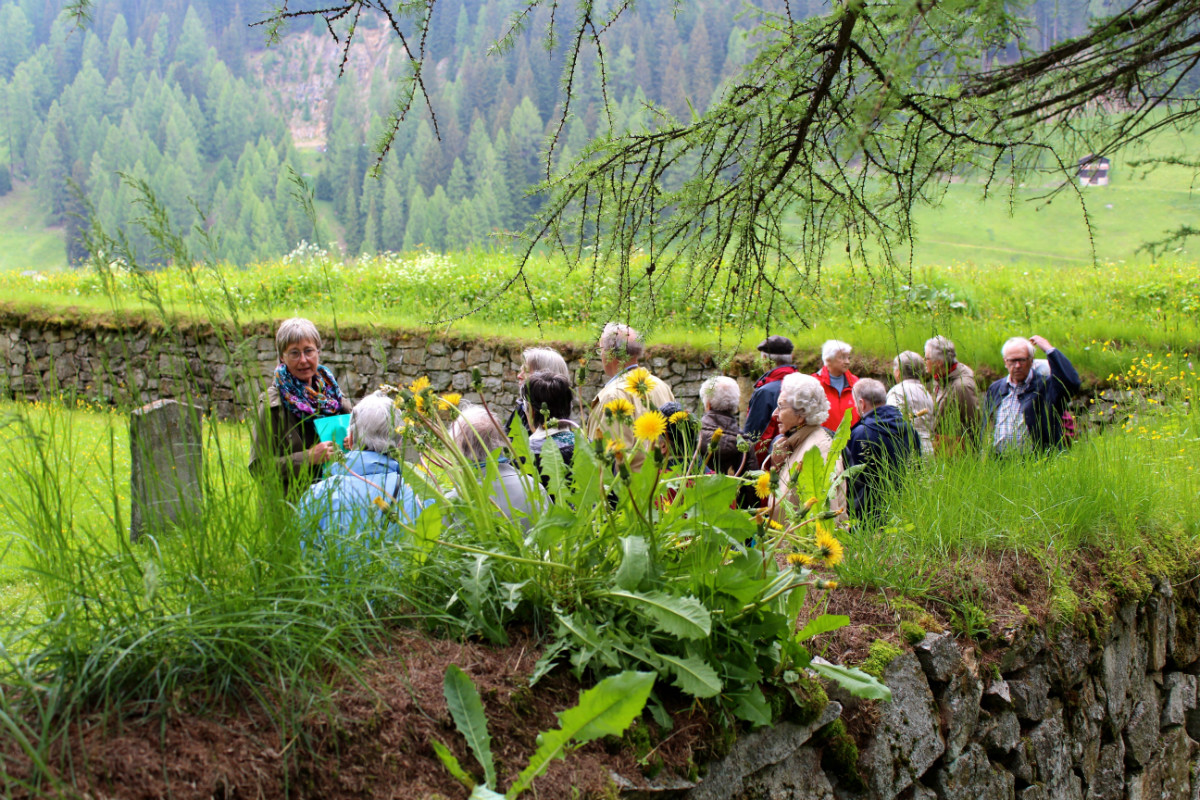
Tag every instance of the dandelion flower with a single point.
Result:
(640, 382)
(717, 434)
(649, 426)
(799, 560)
(381, 503)
(827, 584)
(829, 548)
(677, 417)
(762, 486)
(420, 384)
(620, 408)
(448, 400)
(773, 525)
(616, 447)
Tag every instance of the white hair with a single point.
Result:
(537, 359)
(834, 348)
(940, 349)
(721, 394)
(621, 340)
(779, 358)
(870, 392)
(476, 433)
(1021, 340)
(294, 331)
(909, 364)
(373, 424)
(805, 395)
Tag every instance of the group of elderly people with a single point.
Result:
(933, 406)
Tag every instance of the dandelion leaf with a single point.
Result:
(685, 617)
(467, 711)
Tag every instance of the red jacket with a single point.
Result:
(838, 403)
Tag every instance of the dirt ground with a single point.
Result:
(371, 736)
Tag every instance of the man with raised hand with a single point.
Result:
(1025, 408)
(956, 419)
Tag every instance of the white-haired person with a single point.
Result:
(1025, 409)
(721, 397)
(285, 446)
(347, 502)
(627, 384)
(802, 411)
(955, 397)
(535, 359)
(476, 434)
(837, 379)
(911, 398)
(881, 443)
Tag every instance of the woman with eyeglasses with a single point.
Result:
(286, 443)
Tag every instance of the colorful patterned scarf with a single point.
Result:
(322, 399)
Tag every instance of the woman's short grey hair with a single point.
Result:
(940, 349)
(373, 424)
(1021, 340)
(293, 331)
(779, 359)
(909, 364)
(805, 395)
(870, 392)
(721, 394)
(834, 348)
(537, 359)
(622, 340)
(476, 433)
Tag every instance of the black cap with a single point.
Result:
(776, 346)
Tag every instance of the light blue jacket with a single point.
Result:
(343, 504)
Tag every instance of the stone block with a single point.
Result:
(939, 656)
(908, 739)
(1109, 780)
(972, 777)
(958, 707)
(1141, 732)
(1179, 697)
(761, 749)
(1000, 733)
(1052, 763)
(1169, 773)
(1031, 693)
(1117, 666)
(1158, 615)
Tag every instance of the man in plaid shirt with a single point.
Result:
(1025, 408)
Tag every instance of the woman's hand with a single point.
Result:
(321, 452)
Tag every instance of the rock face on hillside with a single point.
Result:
(1060, 716)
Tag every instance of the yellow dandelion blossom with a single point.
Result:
(829, 548)
(616, 447)
(379, 501)
(448, 400)
(827, 585)
(799, 560)
(420, 384)
(649, 426)
(419, 403)
(677, 417)
(762, 486)
(640, 382)
(717, 434)
(619, 407)
(773, 525)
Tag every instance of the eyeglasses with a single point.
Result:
(1016, 361)
(308, 352)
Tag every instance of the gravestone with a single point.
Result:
(167, 465)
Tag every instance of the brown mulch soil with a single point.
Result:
(372, 739)
(371, 736)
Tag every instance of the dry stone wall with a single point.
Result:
(135, 365)
(1064, 714)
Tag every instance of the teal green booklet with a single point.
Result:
(332, 429)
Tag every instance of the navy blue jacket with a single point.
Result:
(763, 400)
(1043, 401)
(881, 441)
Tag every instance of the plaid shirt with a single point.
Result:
(1010, 431)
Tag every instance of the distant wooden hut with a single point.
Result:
(1093, 170)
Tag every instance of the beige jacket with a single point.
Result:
(803, 439)
(956, 401)
(597, 427)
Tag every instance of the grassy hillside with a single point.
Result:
(25, 241)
